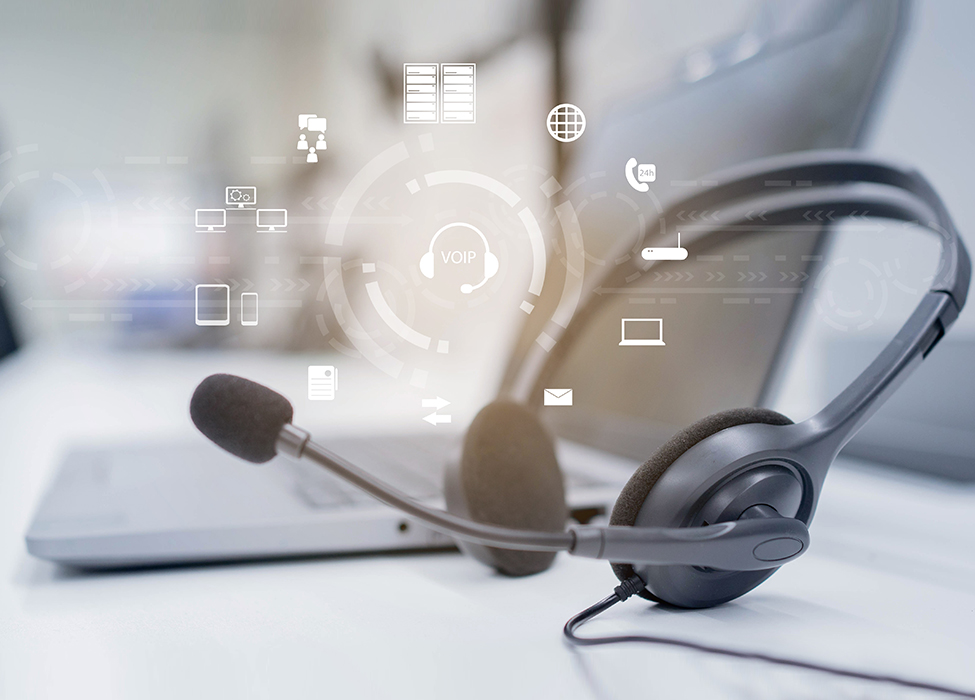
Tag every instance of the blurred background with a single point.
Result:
(118, 120)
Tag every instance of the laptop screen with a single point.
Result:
(721, 318)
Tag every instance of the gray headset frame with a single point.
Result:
(784, 467)
(736, 505)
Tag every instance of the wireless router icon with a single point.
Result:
(677, 253)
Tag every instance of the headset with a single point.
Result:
(722, 505)
(428, 263)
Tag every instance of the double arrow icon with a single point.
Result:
(436, 404)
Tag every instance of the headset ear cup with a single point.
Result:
(491, 265)
(637, 489)
(508, 475)
(427, 265)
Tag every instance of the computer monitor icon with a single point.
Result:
(642, 331)
(272, 219)
(210, 219)
(241, 197)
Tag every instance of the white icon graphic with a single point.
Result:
(436, 404)
(420, 104)
(457, 92)
(311, 123)
(435, 93)
(645, 172)
(241, 197)
(643, 332)
(677, 253)
(323, 382)
(248, 308)
(558, 397)
(274, 220)
(213, 304)
(207, 220)
(566, 122)
(428, 263)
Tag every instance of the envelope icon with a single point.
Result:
(558, 397)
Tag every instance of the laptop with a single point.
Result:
(644, 332)
(162, 504)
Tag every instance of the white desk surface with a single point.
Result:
(887, 586)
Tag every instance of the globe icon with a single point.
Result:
(566, 122)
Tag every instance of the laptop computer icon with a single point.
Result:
(643, 331)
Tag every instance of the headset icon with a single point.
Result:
(429, 261)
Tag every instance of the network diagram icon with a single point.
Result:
(311, 123)
(241, 197)
(566, 122)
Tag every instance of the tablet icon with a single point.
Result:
(665, 253)
(213, 305)
(645, 172)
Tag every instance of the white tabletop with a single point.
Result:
(888, 585)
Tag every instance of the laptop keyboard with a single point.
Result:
(413, 464)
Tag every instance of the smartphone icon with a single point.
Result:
(248, 309)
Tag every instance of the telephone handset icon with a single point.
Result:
(644, 173)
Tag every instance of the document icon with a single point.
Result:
(323, 381)
(558, 397)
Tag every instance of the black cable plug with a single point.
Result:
(634, 584)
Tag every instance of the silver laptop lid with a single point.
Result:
(728, 322)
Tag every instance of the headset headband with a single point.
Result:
(433, 240)
(845, 183)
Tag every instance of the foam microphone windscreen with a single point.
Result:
(241, 416)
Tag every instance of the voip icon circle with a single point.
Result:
(428, 263)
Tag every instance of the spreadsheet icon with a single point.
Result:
(420, 94)
(457, 92)
(435, 93)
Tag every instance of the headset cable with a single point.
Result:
(634, 584)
